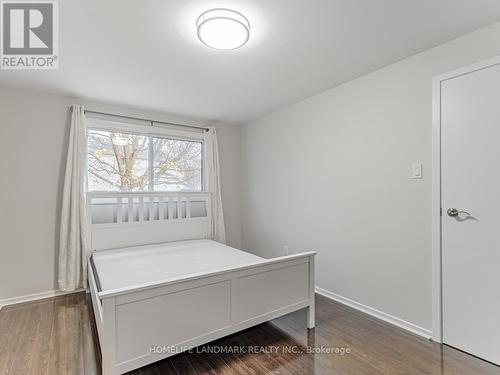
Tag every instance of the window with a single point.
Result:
(123, 161)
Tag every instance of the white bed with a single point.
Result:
(151, 264)
(174, 288)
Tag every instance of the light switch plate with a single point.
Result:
(416, 171)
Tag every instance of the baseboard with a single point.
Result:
(34, 297)
(346, 301)
(377, 313)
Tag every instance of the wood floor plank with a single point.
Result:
(165, 367)
(201, 366)
(27, 344)
(291, 355)
(149, 370)
(260, 362)
(279, 361)
(91, 350)
(183, 365)
(58, 337)
(16, 337)
(74, 327)
(39, 362)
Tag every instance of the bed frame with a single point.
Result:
(176, 314)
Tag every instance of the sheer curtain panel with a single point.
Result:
(214, 186)
(73, 235)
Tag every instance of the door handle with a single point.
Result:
(453, 212)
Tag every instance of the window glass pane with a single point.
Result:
(177, 165)
(117, 161)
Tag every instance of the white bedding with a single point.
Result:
(122, 268)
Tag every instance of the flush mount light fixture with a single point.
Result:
(223, 29)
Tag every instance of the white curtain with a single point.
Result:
(214, 187)
(73, 235)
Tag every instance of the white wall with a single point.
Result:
(332, 174)
(33, 141)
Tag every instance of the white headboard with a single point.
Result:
(132, 219)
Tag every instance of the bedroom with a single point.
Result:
(276, 182)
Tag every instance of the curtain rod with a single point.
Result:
(143, 119)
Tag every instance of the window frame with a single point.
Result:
(150, 130)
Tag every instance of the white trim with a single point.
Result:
(413, 328)
(35, 297)
(437, 318)
(436, 212)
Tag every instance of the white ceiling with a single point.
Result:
(146, 54)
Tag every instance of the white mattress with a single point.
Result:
(133, 266)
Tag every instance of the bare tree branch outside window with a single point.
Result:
(177, 165)
(119, 162)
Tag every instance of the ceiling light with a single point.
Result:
(223, 29)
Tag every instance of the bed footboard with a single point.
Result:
(147, 324)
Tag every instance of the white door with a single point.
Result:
(470, 151)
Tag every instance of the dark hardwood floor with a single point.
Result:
(57, 337)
